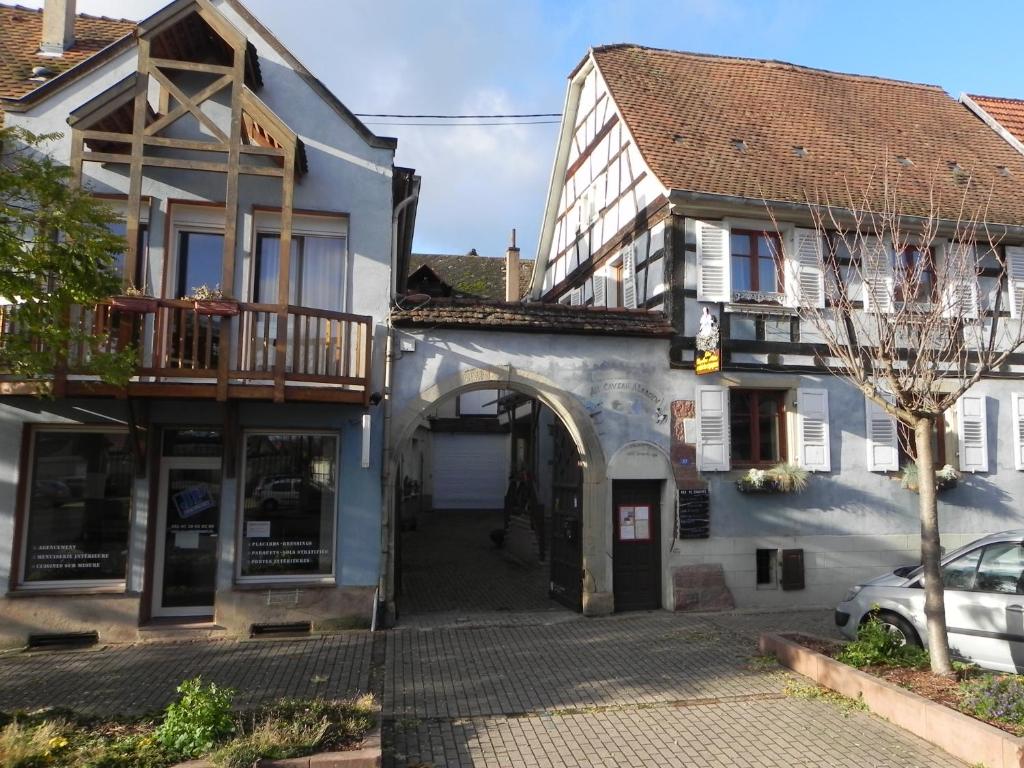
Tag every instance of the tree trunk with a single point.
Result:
(934, 600)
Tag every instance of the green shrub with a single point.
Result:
(876, 647)
(199, 720)
(994, 697)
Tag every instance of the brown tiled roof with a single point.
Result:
(1009, 113)
(20, 33)
(687, 110)
(471, 275)
(535, 317)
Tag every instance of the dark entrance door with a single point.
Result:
(636, 551)
(566, 521)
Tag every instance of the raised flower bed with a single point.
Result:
(914, 699)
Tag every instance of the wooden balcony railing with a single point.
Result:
(262, 351)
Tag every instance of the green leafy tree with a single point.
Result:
(57, 257)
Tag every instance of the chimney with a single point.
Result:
(58, 27)
(512, 272)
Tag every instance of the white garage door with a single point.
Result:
(470, 471)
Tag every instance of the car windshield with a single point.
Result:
(913, 574)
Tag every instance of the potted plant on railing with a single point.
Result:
(945, 478)
(782, 478)
(212, 301)
(134, 300)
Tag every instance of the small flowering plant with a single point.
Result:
(994, 697)
(782, 478)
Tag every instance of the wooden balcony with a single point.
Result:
(238, 351)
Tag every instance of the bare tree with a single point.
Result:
(909, 309)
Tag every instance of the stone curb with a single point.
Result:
(958, 734)
(367, 756)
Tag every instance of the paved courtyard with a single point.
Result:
(546, 688)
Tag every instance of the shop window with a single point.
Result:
(289, 506)
(78, 507)
(757, 426)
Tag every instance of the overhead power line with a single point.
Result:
(464, 125)
(458, 117)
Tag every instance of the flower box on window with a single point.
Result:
(217, 307)
(143, 305)
(782, 478)
(945, 478)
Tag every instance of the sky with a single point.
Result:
(496, 56)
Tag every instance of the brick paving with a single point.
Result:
(521, 689)
(141, 678)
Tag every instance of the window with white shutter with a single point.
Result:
(876, 268)
(601, 287)
(713, 428)
(880, 436)
(576, 296)
(973, 433)
(805, 283)
(812, 426)
(628, 278)
(1015, 275)
(958, 264)
(1018, 430)
(713, 262)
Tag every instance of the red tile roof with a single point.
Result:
(1009, 113)
(463, 314)
(20, 33)
(687, 110)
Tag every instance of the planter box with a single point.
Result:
(958, 734)
(217, 307)
(139, 304)
(368, 755)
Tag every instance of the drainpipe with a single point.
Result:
(387, 486)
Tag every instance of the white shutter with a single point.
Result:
(1018, 430)
(880, 435)
(973, 433)
(805, 279)
(601, 287)
(713, 262)
(576, 296)
(812, 425)
(628, 278)
(958, 263)
(713, 425)
(876, 268)
(1015, 275)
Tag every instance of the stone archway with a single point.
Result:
(596, 567)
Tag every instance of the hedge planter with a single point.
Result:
(958, 734)
(142, 305)
(367, 755)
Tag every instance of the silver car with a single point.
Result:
(984, 583)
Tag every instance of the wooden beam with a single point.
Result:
(189, 144)
(213, 88)
(284, 270)
(135, 172)
(220, 25)
(191, 66)
(77, 149)
(185, 100)
(255, 149)
(181, 163)
(114, 136)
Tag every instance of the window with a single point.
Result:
(756, 262)
(915, 275)
(200, 261)
(289, 506)
(997, 568)
(120, 228)
(767, 568)
(315, 278)
(757, 426)
(78, 507)
(618, 275)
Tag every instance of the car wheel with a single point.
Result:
(899, 628)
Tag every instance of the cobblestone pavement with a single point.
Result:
(450, 564)
(142, 678)
(655, 689)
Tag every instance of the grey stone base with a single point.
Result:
(598, 603)
(701, 588)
